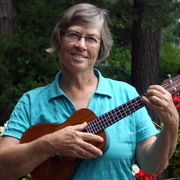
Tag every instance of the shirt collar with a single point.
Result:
(54, 90)
(103, 86)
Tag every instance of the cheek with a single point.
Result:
(96, 53)
(94, 49)
(62, 51)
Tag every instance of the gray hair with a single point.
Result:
(83, 14)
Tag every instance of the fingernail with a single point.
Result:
(101, 153)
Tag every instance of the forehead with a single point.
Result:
(84, 30)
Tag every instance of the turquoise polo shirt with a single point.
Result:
(50, 104)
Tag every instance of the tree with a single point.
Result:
(146, 44)
(7, 23)
(26, 64)
(147, 41)
(145, 54)
(7, 20)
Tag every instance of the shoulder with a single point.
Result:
(122, 89)
(37, 92)
(120, 84)
(105, 81)
(45, 92)
(116, 89)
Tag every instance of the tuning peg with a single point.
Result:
(168, 76)
(178, 71)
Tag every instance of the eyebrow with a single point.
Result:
(93, 34)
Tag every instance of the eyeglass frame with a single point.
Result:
(80, 37)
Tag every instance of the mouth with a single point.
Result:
(78, 56)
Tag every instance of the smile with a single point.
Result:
(78, 56)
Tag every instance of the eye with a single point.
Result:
(92, 39)
(72, 35)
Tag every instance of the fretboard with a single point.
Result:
(111, 117)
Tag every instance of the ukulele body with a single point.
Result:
(57, 166)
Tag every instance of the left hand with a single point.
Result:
(161, 101)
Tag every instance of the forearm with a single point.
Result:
(158, 154)
(21, 159)
(155, 154)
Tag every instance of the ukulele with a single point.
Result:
(58, 167)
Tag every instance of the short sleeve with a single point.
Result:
(19, 119)
(144, 125)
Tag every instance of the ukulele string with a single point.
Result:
(170, 82)
(172, 88)
(100, 123)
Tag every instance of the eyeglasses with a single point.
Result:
(75, 37)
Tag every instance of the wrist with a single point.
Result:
(49, 145)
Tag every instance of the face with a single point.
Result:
(77, 56)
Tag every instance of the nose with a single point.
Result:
(81, 43)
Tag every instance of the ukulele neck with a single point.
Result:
(111, 117)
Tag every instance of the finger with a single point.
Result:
(87, 150)
(161, 106)
(153, 94)
(154, 103)
(148, 102)
(91, 137)
(158, 88)
(84, 154)
(87, 136)
(83, 149)
(80, 127)
(158, 91)
(87, 155)
(94, 151)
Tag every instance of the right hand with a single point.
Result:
(70, 141)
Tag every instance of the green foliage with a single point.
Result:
(160, 13)
(24, 63)
(171, 34)
(24, 66)
(169, 60)
(117, 66)
(28, 177)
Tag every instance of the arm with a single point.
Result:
(20, 159)
(153, 153)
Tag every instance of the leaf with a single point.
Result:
(27, 178)
(176, 172)
(177, 148)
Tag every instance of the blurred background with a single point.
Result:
(146, 44)
(146, 48)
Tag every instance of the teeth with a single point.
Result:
(78, 56)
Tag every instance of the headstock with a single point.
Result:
(172, 85)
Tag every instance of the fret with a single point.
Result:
(100, 123)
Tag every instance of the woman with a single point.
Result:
(81, 37)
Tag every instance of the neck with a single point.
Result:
(77, 80)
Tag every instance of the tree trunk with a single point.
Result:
(7, 26)
(6, 17)
(145, 56)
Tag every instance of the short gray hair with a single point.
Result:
(83, 14)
